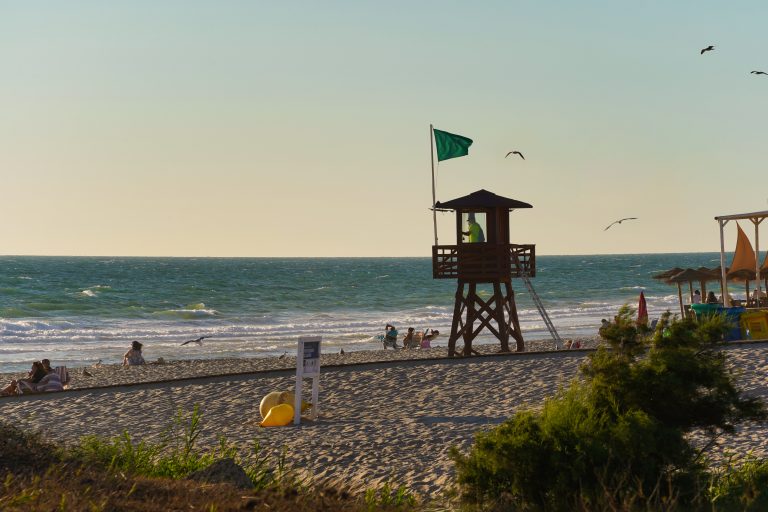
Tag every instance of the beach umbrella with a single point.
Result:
(714, 275)
(688, 275)
(663, 276)
(642, 310)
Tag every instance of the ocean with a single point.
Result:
(80, 310)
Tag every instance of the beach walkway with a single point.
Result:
(384, 422)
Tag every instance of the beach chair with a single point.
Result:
(63, 374)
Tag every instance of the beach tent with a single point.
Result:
(756, 218)
(742, 267)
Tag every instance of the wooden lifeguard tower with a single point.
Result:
(494, 261)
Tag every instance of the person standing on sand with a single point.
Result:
(133, 357)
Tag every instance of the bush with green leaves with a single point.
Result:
(617, 437)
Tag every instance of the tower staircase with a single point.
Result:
(542, 311)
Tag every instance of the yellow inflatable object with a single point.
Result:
(288, 397)
(269, 401)
(278, 416)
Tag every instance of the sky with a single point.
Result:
(191, 128)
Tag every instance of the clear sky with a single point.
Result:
(183, 128)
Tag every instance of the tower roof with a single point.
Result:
(481, 199)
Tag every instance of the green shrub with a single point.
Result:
(742, 486)
(389, 497)
(617, 436)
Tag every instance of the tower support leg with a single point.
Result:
(514, 323)
(472, 314)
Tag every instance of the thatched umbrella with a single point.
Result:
(663, 276)
(688, 275)
(714, 275)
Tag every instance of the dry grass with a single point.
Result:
(35, 477)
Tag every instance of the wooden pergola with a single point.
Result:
(756, 218)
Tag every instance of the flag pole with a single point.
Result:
(434, 201)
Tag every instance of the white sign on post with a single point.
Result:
(307, 365)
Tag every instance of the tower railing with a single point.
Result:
(483, 261)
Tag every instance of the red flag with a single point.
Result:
(642, 310)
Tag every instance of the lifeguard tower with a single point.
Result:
(487, 259)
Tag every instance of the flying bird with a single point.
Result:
(619, 222)
(758, 73)
(199, 341)
(707, 49)
(515, 153)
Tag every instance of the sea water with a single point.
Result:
(79, 310)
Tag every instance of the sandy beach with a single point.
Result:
(385, 416)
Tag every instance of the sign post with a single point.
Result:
(307, 365)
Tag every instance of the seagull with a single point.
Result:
(199, 341)
(515, 153)
(87, 373)
(758, 73)
(707, 49)
(283, 356)
(619, 222)
(341, 352)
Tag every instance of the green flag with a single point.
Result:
(450, 145)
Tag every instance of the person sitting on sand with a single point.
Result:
(390, 336)
(408, 341)
(711, 298)
(47, 365)
(59, 373)
(426, 340)
(35, 375)
(133, 357)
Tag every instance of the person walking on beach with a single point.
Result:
(133, 357)
(474, 231)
